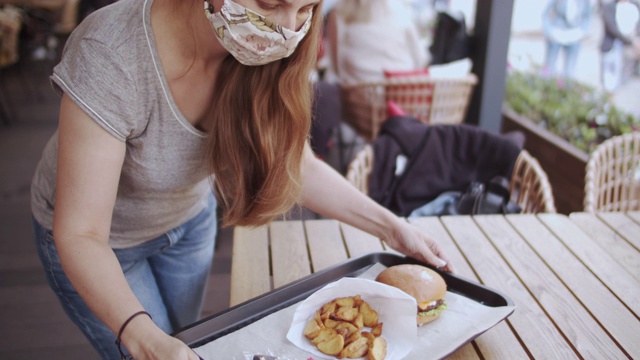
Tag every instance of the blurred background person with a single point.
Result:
(621, 19)
(366, 37)
(565, 25)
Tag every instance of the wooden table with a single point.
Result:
(575, 280)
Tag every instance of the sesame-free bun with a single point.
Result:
(424, 284)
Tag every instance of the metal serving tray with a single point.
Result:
(241, 315)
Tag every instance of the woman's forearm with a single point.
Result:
(328, 193)
(95, 273)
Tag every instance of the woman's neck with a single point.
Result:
(184, 35)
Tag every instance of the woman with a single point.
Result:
(367, 37)
(158, 98)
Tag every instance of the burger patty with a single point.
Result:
(432, 306)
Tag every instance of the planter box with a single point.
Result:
(564, 164)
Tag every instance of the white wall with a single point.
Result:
(467, 7)
(527, 15)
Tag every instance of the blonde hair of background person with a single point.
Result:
(257, 120)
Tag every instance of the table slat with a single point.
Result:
(635, 215)
(624, 225)
(497, 343)
(609, 241)
(433, 227)
(325, 243)
(550, 276)
(250, 270)
(467, 352)
(358, 242)
(608, 269)
(289, 255)
(538, 333)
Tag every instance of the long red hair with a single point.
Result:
(260, 127)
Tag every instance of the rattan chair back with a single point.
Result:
(431, 100)
(612, 181)
(360, 168)
(529, 185)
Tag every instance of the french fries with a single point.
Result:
(339, 328)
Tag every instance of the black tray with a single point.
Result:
(241, 315)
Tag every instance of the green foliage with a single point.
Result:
(576, 112)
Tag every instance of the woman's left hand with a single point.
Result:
(412, 242)
(328, 193)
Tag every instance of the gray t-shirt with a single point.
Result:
(111, 69)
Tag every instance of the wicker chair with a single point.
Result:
(431, 100)
(612, 181)
(529, 186)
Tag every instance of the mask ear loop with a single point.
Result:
(209, 7)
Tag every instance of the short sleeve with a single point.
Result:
(97, 79)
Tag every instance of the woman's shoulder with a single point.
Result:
(114, 25)
(104, 64)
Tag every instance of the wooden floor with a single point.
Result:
(32, 322)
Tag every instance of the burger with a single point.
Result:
(422, 283)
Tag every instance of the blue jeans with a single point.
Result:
(570, 58)
(167, 274)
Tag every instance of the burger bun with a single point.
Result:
(422, 283)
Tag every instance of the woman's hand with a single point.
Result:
(328, 193)
(171, 348)
(154, 344)
(412, 242)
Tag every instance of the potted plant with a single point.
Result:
(563, 123)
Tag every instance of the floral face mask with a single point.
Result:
(250, 37)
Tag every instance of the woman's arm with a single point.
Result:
(89, 165)
(329, 194)
(585, 21)
(547, 15)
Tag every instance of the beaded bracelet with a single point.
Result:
(119, 342)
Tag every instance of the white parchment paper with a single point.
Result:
(396, 310)
(463, 320)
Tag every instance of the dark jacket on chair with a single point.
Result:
(439, 158)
